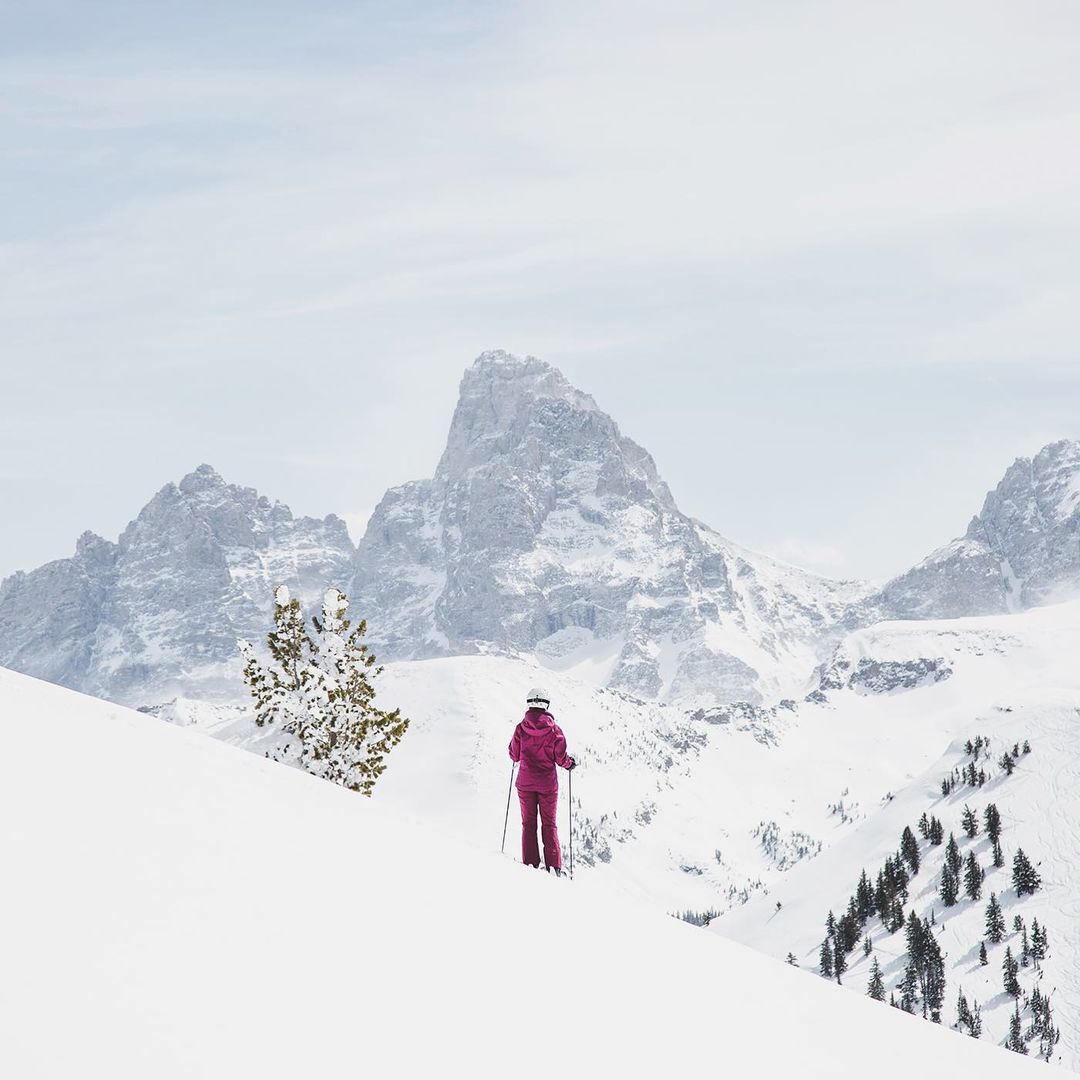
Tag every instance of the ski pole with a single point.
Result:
(570, 795)
(506, 820)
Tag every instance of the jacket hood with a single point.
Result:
(537, 721)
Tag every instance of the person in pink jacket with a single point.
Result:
(538, 746)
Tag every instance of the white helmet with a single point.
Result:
(538, 699)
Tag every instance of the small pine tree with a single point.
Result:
(909, 988)
(839, 963)
(1007, 762)
(909, 849)
(995, 921)
(924, 826)
(825, 959)
(867, 946)
(950, 887)
(963, 1012)
(992, 820)
(983, 958)
(1015, 1041)
(1025, 877)
(1010, 969)
(970, 821)
(937, 832)
(317, 691)
(1027, 747)
(973, 877)
(975, 1024)
(999, 855)
(876, 987)
(791, 960)
(953, 859)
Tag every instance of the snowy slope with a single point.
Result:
(1012, 678)
(697, 812)
(182, 909)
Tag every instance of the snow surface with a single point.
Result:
(183, 909)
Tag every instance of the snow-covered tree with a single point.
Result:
(317, 691)
(971, 822)
(953, 859)
(992, 819)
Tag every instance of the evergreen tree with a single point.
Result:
(864, 898)
(973, 877)
(970, 820)
(950, 887)
(1015, 1041)
(963, 1011)
(876, 988)
(1010, 969)
(1007, 762)
(791, 960)
(1025, 877)
(999, 855)
(937, 832)
(317, 692)
(992, 819)
(995, 922)
(825, 960)
(1027, 747)
(924, 826)
(909, 988)
(839, 963)
(953, 859)
(983, 959)
(867, 946)
(1038, 942)
(909, 850)
(975, 1024)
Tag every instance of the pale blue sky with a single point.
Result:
(821, 258)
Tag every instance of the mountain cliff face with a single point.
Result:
(545, 530)
(1022, 550)
(159, 612)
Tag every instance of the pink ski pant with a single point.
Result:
(547, 804)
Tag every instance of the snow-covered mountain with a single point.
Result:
(1023, 549)
(162, 929)
(157, 614)
(546, 531)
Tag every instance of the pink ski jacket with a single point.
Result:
(539, 745)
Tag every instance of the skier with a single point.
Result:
(539, 745)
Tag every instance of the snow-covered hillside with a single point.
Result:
(175, 908)
(697, 812)
(1011, 680)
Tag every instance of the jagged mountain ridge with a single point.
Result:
(545, 532)
(158, 612)
(1020, 551)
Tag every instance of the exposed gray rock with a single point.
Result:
(544, 528)
(1022, 550)
(159, 612)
